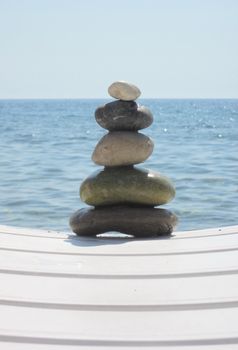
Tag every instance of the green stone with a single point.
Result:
(126, 185)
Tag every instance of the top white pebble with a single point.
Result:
(122, 90)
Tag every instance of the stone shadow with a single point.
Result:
(111, 238)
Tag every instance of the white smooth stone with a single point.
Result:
(122, 90)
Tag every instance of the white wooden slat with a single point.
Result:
(202, 233)
(19, 346)
(119, 326)
(93, 246)
(111, 291)
(22, 231)
(144, 266)
(58, 291)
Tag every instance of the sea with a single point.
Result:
(46, 147)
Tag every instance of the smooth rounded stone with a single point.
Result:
(122, 90)
(126, 184)
(122, 115)
(122, 148)
(136, 221)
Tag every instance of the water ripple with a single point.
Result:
(46, 149)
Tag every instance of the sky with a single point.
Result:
(77, 48)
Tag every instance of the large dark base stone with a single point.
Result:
(136, 221)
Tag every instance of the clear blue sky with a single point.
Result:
(76, 48)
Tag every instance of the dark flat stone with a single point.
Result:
(123, 115)
(136, 221)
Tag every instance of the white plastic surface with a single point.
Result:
(59, 291)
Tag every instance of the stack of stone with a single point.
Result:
(122, 196)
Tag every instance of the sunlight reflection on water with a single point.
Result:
(46, 149)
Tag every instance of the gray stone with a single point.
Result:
(122, 148)
(136, 221)
(122, 115)
(126, 184)
(122, 90)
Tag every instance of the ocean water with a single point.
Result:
(46, 147)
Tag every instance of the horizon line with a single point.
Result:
(109, 98)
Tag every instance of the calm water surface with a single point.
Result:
(46, 147)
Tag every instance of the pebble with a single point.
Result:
(122, 90)
(122, 148)
(136, 221)
(126, 184)
(123, 115)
